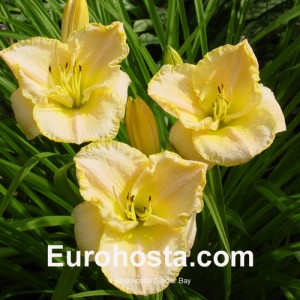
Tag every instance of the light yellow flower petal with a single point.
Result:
(175, 186)
(172, 89)
(269, 103)
(98, 118)
(88, 226)
(239, 141)
(190, 231)
(146, 279)
(106, 172)
(234, 68)
(29, 60)
(117, 81)
(181, 139)
(100, 49)
(23, 110)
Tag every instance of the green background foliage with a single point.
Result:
(254, 206)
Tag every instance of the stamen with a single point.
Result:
(135, 212)
(220, 105)
(69, 77)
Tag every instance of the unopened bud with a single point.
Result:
(172, 57)
(75, 17)
(141, 126)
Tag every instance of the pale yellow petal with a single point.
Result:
(137, 278)
(270, 104)
(175, 186)
(172, 89)
(239, 141)
(23, 110)
(29, 60)
(190, 231)
(100, 49)
(106, 172)
(88, 227)
(181, 139)
(98, 118)
(116, 81)
(155, 220)
(234, 68)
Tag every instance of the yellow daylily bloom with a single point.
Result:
(224, 115)
(71, 92)
(137, 203)
(75, 17)
(141, 126)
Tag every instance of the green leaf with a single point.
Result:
(65, 283)
(24, 170)
(113, 293)
(40, 222)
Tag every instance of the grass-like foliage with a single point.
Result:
(254, 206)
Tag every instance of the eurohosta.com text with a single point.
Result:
(152, 258)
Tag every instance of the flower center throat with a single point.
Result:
(137, 212)
(69, 78)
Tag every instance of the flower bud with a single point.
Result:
(75, 17)
(172, 57)
(141, 126)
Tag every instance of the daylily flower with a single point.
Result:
(137, 204)
(225, 116)
(141, 126)
(70, 92)
(75, 17)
